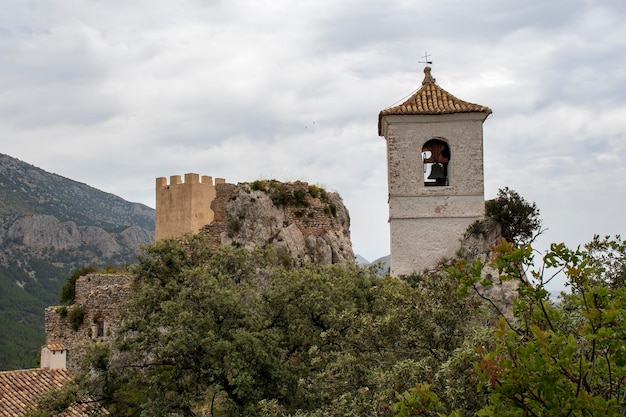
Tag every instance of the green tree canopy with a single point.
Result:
(244, 332)
(518, 218)
(564, 357)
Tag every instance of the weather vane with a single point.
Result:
(427, 61)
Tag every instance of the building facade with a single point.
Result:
(435, 175)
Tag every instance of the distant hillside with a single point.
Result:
(382, 263)
(49, 226)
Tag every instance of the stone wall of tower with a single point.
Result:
(183, 207)
(428, 222)
(98, 297)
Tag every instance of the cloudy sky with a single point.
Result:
(116, 93)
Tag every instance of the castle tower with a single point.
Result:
(435, 174)
(183, 207)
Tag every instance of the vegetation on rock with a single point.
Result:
(518, 218)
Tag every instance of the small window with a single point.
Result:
(435, 157)
(100, 328)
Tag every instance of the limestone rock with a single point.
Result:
(309, 223)
(477, 244)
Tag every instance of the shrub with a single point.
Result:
(331, 209)
(234, 227)
(300, 197)
(258, 185)
(69, 290)
(76, 316)
(519, 219)
(62, 311)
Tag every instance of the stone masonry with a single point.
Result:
(183, 207)
(98, 297)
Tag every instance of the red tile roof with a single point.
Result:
(431, 99)
(20, 390)
(55, 346)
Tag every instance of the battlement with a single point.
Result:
(190, 178)
(184, 206)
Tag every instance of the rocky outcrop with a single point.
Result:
(309, 223)
(477, 244)
(47, 232)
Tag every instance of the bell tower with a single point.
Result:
(434, 173)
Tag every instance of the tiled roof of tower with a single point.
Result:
(20, 390)
(432, 99)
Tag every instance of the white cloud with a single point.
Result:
(117, 93)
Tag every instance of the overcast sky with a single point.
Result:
(116, 93)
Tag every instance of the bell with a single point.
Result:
(436, 172)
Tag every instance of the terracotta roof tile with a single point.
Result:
(20, 390)
(432, 99)
(55, 346)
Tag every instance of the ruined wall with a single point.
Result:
(183, 207)
(98, 297)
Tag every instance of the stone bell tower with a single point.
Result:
(435, 174)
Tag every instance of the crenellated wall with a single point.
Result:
(183, 207)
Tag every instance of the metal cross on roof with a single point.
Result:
(427, 61)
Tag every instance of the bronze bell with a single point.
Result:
(436, 172)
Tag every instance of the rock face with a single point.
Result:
(39, 232)
(309, 223)
(477, 244)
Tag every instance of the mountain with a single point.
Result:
(383, 263)
(49, 226)
(361, 260)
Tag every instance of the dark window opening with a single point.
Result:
(98, 325)
(435, 157)
(100, 328)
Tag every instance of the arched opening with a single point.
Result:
(98, 325)
(436, 156)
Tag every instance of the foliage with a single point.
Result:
(557, 358)
(318, 192)
(243, 332)
(22, 302)
(255, 333)
(68, 293)
(62, 311)
(55, 401)
(608, 258)
(519, 219)
(417, 401)
(76, 316)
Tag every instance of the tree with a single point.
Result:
(565, 358)
(243, 332)
(519, 219)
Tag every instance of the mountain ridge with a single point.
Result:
(49, 226)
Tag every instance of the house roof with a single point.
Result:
(20, 390)
(55, 346)
(432, 99)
